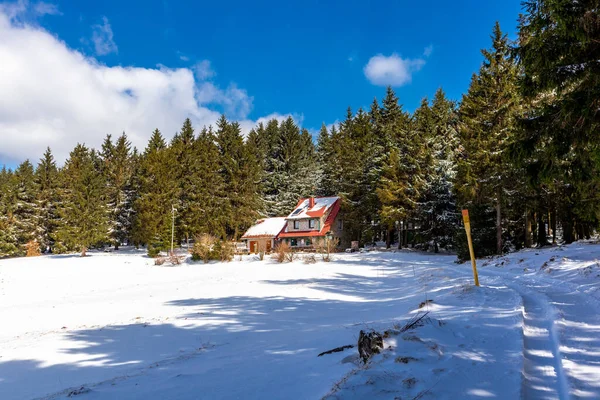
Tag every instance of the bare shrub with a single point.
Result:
(326, 247)
(203, 247)
(280, 251)
(160, 260)
(33, 248)
(262, 249)
(223, 251)
(310, 259)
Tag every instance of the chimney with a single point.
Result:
(311, 202)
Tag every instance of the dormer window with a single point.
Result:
(311, 223)
(296, 224)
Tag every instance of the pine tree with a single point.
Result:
(437, 210)
(183, 157)
(117, 170)
(558, 50)
(157, 195)
(9, 246)
(83, 212)
(238, 170)
(46, 178)
(402, 178)
(487, 114)
(292, 168)
(26, 208)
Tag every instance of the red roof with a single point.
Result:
(326, 226)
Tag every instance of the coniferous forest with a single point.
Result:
(520, 151)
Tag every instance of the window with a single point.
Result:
(296, 224)
(311, 223)
(294, 242)
(340, 225)
(308, 242)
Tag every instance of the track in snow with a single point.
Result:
(543, 373)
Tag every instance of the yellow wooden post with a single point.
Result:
(465, 214)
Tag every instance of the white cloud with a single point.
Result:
(42, 8)
(428, 50)
(393, 70)
(204, 70)
(23, 11)
(103, 38)
(52, 95)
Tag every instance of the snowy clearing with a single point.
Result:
(117, 326)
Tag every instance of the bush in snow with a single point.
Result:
(223, 251)
(282, 252)
(33, 248)
(153, 251)
(203, 248)
(326, 247)
(310, 259)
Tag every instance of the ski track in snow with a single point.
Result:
(543, 375)
(561, 333)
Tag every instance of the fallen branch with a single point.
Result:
(409, 325)
(337, 349)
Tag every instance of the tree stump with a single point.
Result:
(368, 344)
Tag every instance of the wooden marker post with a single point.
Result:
(465, 214)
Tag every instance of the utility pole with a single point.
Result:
(172, 228)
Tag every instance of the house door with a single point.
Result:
(268, 245)
(252, 247)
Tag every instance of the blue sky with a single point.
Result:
(310, 59)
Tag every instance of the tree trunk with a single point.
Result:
(542, 240)
(567, 226)
(586, 231)
(388, 239)
(399, 239)
(553, 223)
(116, 246)
(579, 230)
(498, 224)
(83, 252)
(527, 229)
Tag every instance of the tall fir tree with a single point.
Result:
(117, 170)
(84, 217)
(402, 176)
(46, 177)
(157, 196)
(487, 115)
(558, 51)
(9, 245)
(26, 207)
(238, 170)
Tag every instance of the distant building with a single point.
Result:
(312, 219)
(262, 236)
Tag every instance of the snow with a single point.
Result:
(321, 203)
(266, 227)
(114, 325)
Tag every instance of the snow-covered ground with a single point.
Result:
(117, 326)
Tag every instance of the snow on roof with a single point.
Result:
(266, 227)
(322, 205)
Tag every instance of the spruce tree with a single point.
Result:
(558, 51)
(117, 170)
(26, 208)
(46, 177)
(84, 217)
(238, 170)
(437, 210)
(402, 177)
(487, 115)
(157, 196)
(9, 245)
